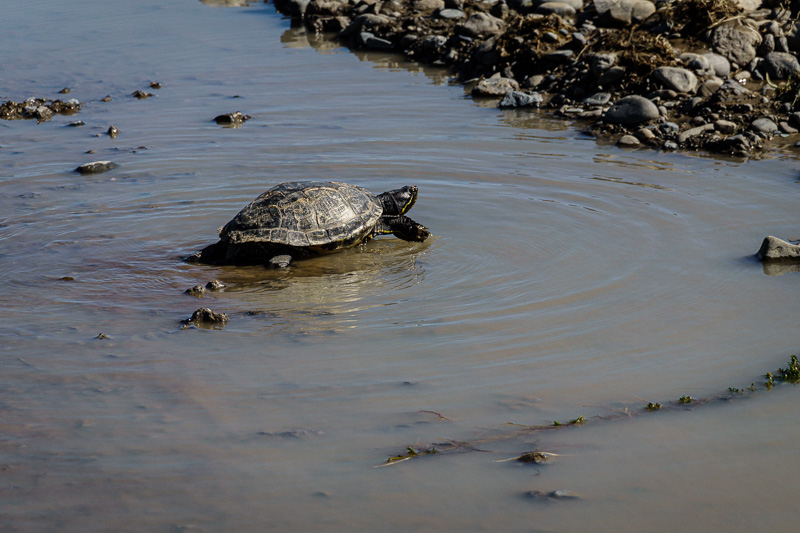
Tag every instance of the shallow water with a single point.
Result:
(565, 278)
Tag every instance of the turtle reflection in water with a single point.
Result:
(303, 218)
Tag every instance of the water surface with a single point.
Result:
(564, 278)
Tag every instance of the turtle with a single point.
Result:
(299, 219)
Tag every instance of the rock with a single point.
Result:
(521, 99)
(632, 110)
(780, 65)
(624, 11)
(794, 119)
(197, 290)
(748, 5)
(611, 76)
(736, 144)
(553, 495)
(205, 317)
(628, 141)
(495, 87)
(481, 24)
(767, 45)
(96, 167)
(427, 5)
(141, 95)
(775, 249)
(280, 261)
(719, 64)
(645, 135)
(597, 99)
(215, 285)
(725, 127)
(112, 132)
(677, 79)
(294, 8)
(602, 62)
(693, 132)
(709, 87)
(735, 42)
(558, 57)
(451, 14)
(786, 128)
(556, 8)
(232, 119)
(764, 125)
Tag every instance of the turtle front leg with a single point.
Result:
(403, 227)
(280, 261)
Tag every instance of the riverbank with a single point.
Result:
(714, 75)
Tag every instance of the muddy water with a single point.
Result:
(565, 278)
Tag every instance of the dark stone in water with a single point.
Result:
(96, 167)
(236, 118)
(205, 317)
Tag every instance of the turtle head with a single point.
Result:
(398, 201)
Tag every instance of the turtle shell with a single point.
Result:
(305, 214)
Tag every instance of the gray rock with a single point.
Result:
(597, 99)
(693, 132)
(737, 144)
(786, 128)
(495, 87)
(780, 65)
(556, 8)
(767, 45)
(481, 24)
(677, 79)
(451, 14)
(96, 167)
(577, 5)
(625, 11)
(632, 110)
(602, 62)
(611, 76)
(719, 64)
(794, 119)
(427, 5)
(764, 125)
(709, 87)
(628, 141)
(733, 88)
(558, 57)
(520, 99)
(645, 135)
(736, 42)
(775, 249)
(726, 127)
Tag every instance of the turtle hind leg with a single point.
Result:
(211, 254)
(402, 227)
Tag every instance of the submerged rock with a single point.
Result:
(205, 317)
(96, 167)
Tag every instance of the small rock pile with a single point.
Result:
(39, 109)
(717, 75)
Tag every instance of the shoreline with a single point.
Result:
(719, 76)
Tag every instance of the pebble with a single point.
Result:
(451, 14)
(206, 317)
(692, 132)
(725, 127)
(597, 99)
(555, 8)
(773, 248)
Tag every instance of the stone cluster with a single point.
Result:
(718, 75)
(38, 109)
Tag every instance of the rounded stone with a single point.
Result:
(677, 79)
(780, 65)
(632, 110)
(763, 125)
(556, 8)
